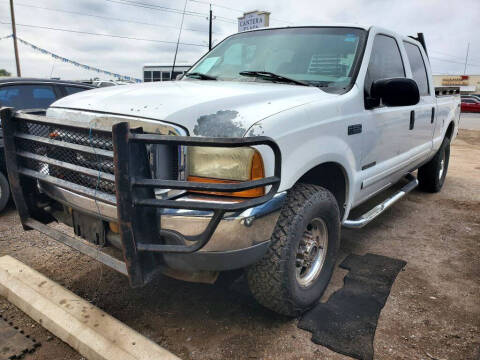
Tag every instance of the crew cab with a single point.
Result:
(254, 159)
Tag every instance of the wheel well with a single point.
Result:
(450, 129)
(332, 177)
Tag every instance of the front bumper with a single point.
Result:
(237, 230)
(188, 232)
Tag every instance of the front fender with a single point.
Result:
(306, 143)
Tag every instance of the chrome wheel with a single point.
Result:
(311, 252)
(442, 166)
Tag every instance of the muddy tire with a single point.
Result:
(290, 278)
(431, 176)
(4, 191)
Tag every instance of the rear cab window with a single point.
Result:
(417, 65)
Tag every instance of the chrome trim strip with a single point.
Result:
(380, 208)
(236, 230)
(102, 209)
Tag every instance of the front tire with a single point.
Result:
(4, 192)
(297, 268)
(431, 176)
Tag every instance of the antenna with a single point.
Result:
(178, 41)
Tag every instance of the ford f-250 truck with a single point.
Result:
(254, 159)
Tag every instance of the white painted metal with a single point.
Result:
(309, 125)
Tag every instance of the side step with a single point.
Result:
(380, 208)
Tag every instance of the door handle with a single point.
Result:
(412, 119)
(433, 116)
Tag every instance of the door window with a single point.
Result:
(385, 61)
(419, 72)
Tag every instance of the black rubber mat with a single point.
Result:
(346, 323)
(13, 343)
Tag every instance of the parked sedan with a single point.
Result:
(26, 93)
(471, 96)
(470, 105)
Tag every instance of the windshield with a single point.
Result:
(323, 56)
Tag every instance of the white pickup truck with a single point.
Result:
(254, 159)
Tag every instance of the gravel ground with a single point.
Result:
(433, 311)
(470, 121)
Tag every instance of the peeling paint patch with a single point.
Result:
(220, 124)
(256, 130)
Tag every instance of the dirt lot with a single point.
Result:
(433, 311)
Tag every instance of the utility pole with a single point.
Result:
(210, 29)
(14, 32)
(466, 59)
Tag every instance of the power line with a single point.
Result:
(104, 17)
(233, 9)
(451, 56)
(164, 9)
(155, 7)
(218, 6)
(100, 34)
(455, 62)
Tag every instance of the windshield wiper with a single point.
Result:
(267, 75)
(200, 76)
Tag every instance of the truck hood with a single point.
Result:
(203, 108)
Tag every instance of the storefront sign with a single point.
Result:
(253, 20)
(461, 80)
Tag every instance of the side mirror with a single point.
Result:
(394, 92)
(179, 77)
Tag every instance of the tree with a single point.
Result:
(4, 72)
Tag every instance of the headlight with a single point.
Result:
(226, 165)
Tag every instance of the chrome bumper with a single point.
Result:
(236, 230)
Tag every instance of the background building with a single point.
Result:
(162, 72)
(469, 84)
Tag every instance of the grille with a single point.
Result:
(83, 157)
(90, 164)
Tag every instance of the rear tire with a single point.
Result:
(4, 192)
(297, 268)
(431, 176)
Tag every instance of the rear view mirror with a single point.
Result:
(395, 92)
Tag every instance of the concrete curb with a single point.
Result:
(89, 330)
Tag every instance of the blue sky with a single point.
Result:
(448, 27)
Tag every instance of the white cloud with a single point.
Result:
(448, 27)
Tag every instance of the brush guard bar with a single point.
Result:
(138, 214)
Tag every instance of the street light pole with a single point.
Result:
(14, 32)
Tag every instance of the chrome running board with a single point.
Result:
(380, 208)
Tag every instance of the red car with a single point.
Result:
(470, 105)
